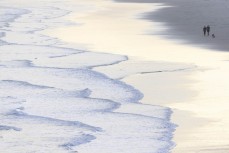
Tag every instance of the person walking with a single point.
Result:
(204, 30)
(208, 29)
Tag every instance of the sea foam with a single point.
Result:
(53, 101)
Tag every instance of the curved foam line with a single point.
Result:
(85, 138)
(114, 105)
(3, 127)
(75, 93)
(174, 70)
(125, 58)
(59, 122)
(27, 84)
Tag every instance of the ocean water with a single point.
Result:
(53, 101)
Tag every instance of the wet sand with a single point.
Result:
(186, 19)
(198, 96)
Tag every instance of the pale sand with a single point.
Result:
(200, 107)
(204, 124)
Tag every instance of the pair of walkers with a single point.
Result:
(206, 30)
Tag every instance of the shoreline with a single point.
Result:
(204, 68)
(68, 106)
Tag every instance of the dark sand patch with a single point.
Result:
(186, 19)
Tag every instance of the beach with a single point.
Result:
(52, 99)
(113, 76)
(194, 83)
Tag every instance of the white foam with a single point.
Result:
(52, 100)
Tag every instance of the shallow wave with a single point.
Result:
(53, 101)
(3, 127)
(9, 14)
(86, 138)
